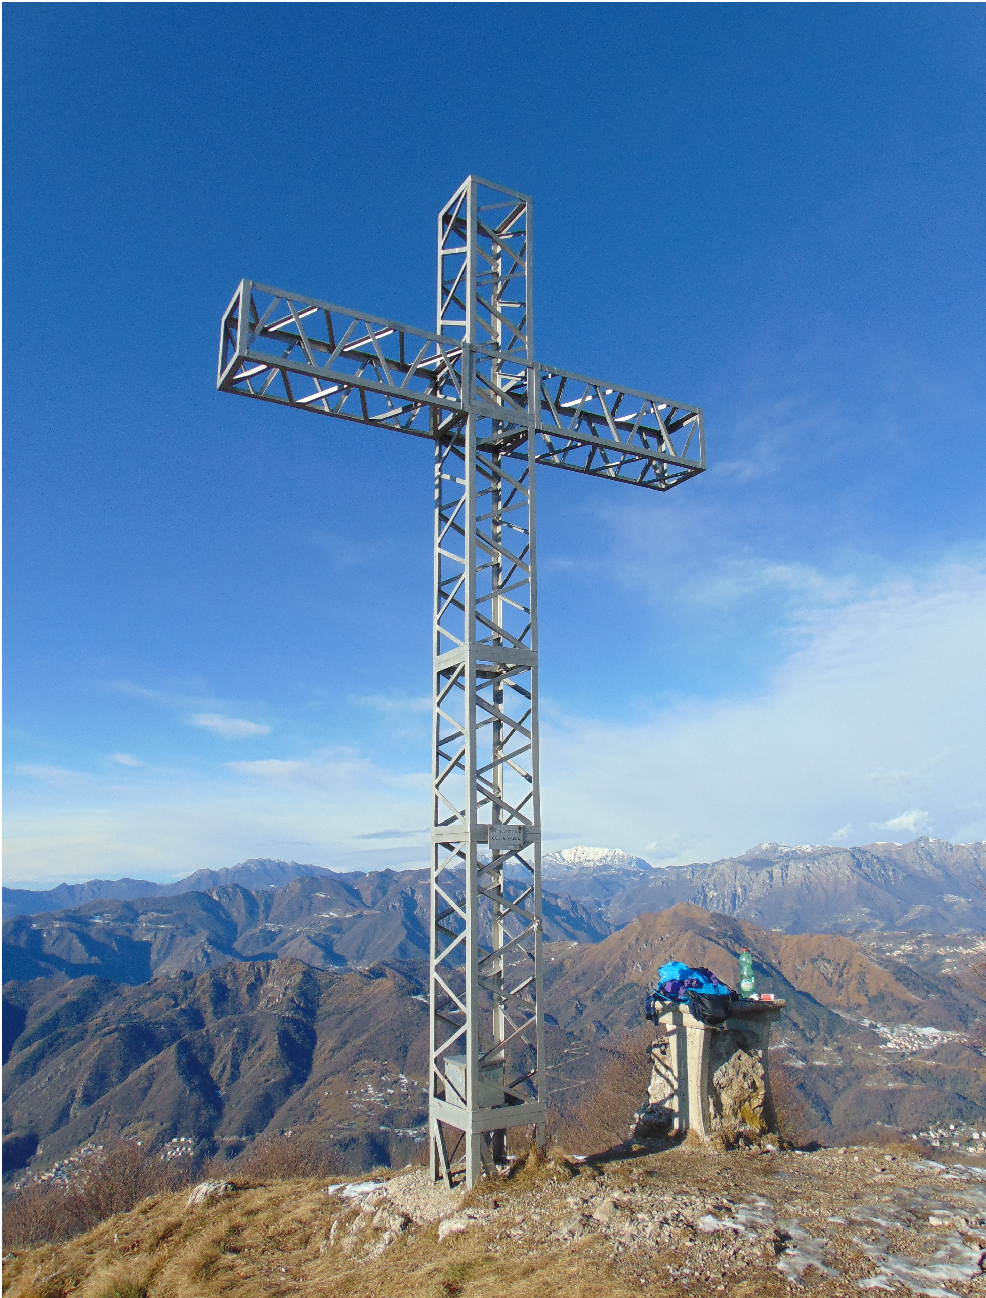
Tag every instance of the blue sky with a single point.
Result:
(217, 612)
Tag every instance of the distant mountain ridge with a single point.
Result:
(595, 875)
(928, 884)
(258, 872)
(558, 864)
(330, 921)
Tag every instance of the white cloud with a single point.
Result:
(909, 822)
(179, 699)
(887, 681)
(228, 727)
(889, 779)
(332, 769)
(125, 759)
(164, 824)
(203, 706)
(392, 833)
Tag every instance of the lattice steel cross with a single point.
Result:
(475, 390)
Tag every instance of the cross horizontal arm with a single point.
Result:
(313, 355)
(613, 432)
(316, 356)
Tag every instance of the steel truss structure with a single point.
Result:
(493, 413)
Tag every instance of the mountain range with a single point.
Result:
(330, 921)
(212, 1010)
(221, 1056)
(258, 872)
(927, 885)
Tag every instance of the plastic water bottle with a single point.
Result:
(747, 984)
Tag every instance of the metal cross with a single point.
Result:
(475, 390)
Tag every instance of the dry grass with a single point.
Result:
(273, 1241)
(537, 1168)
(276, 1241)
(117, 1178)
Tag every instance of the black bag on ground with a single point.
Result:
(712, 1010)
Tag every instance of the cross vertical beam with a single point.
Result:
(486, 1018)
(475, 391)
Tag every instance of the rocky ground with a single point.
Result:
(677, 1221)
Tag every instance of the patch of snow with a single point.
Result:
(709, 1223)
(353, 1189)
(454, 1226)
(800, 1253)
(953, 1260)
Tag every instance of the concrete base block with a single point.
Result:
(711, 1081)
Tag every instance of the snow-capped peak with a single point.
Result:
(581, 857)
(785, 849)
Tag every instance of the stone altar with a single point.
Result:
(711, 1081)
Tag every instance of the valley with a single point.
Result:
(267, 1046)
(203, 1019)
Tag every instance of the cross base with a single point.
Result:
(484, 1134)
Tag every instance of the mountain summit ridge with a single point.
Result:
(256, 872)
(582, 857)
(928, 884)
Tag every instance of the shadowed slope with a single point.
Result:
(220, 1057)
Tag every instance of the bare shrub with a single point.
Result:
(604, 1116)
(285, 1158)
(797, 1124)
(34, 1214)
(104, 1183)
(978, 971)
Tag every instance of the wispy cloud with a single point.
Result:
(334, 769)
(390, 706)
(56, 775)
(125, 759)
(170, 822)
(889, 779)
(178, 699)
(392, 833)
(228, 727)
(883, 685)
(205, 709)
